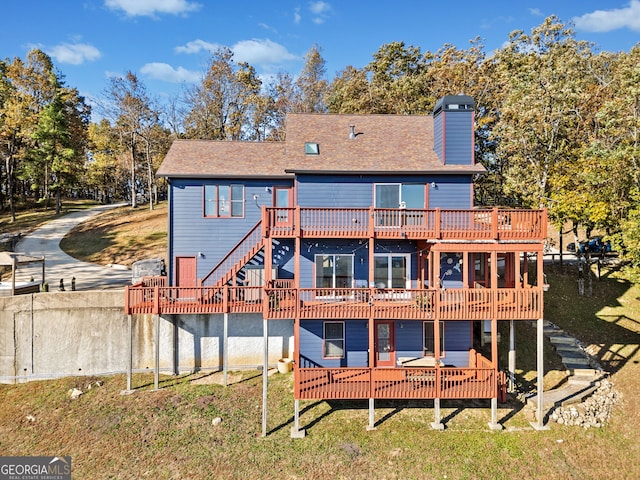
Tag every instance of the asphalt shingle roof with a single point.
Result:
(382, 144)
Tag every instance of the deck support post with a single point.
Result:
(225, 349)
(493, 424)
(512, 357)
(296, 431)
(437, 424)
(156, 370)
(539, 423)
(372, 418)
(265, 374)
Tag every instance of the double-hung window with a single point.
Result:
(429, 338)
(333, 340)
(334, 271)
(224, 201)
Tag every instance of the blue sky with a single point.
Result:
(167, 42)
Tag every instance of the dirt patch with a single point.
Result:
(216, 378)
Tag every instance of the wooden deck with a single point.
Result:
(395, 383)
(412, 224)
(354, 303)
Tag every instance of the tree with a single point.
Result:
(539, 133)
(133, 114)
(104, 177)
(217, 108)
(26, 89)
(53, 147)
(398, 80)
(611, 174)
(312, 86)
(351, 92)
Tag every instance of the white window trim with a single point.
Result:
(324, 340)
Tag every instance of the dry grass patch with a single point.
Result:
(120, 236)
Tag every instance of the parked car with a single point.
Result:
(593, 245)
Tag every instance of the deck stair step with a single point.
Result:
(562, 339)
(582, 377)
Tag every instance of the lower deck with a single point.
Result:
(398, 383)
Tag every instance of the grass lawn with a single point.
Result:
(170, 433)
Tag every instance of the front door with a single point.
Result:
(186, 273)
(385, 344)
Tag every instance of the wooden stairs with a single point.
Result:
(228, 268)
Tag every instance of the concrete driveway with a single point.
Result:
(45, 241)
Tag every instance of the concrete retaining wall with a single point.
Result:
(47, 335)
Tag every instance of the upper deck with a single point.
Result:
(412, 224)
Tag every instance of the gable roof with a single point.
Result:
(381, 144)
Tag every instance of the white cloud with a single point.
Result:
(73, 53)
(197, 46)
(296, 16)
(320, 10)
(536, 12)
(166, 73)
(262, 52)
(149, 8)
(608, 20)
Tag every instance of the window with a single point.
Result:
(392, 195)
(429, 338)
(223, 200)
(392, 270)
(334, 271)
(333, 341)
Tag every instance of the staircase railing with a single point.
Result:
(236, 258)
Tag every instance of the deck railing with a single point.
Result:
(395, 383)
(480, 224)
(332, 303)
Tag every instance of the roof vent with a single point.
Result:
(352, 131)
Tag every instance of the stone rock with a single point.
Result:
(216, 421)
(593, 412)
(75, 393)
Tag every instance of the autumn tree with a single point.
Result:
(27, 90)
(133, 115)
(540, 131)
(312, 86)
(218, 107)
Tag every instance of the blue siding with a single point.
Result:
(453, 192)
(457, 336)
(360, 251)
(409, 338)
(334, 191)
(458, 137)
(191, 233)
(356, 344)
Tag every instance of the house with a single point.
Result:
(361, 231)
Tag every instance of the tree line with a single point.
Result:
(557, 122)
